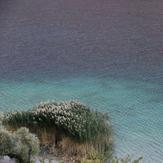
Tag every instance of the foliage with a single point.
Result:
(127, 159)
(61, 161)
(28, 143)
(20, 144)
(1, 117)
(91, 161)
(6, 142)
(74, 119)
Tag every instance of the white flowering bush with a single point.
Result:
(74, 119)
(20, 144)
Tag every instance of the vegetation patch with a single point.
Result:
(70, 125)
(20, 144)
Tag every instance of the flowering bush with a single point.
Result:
(73, 119)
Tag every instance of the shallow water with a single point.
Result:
(107, 54)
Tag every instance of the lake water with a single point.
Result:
(107, 54)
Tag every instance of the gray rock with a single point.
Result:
(6, 159)
(46, 161)
(54, 161)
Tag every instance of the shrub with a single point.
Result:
(91, 161)
(75, 119)
(72, 119)
(21, 144)
(127, 159)
(6, 142)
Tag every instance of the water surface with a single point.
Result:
(107, 54)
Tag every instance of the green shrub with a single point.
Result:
(91, 161)
(6, 142)
(127, 159)
(73, 119)
(21, 144)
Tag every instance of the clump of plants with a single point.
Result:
(127, 159)
(21, 144)
(71, 120)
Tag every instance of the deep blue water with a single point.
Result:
(107, 54)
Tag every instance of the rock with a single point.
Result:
(37, 161)
(46, 161)
(54, 161)
(6, 159)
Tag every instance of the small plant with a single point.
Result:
(61, 161)
(20, 144)
(91, 161)
(127, 159)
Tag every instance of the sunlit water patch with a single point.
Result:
(135, 107)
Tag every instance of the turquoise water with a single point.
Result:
(135, 107)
